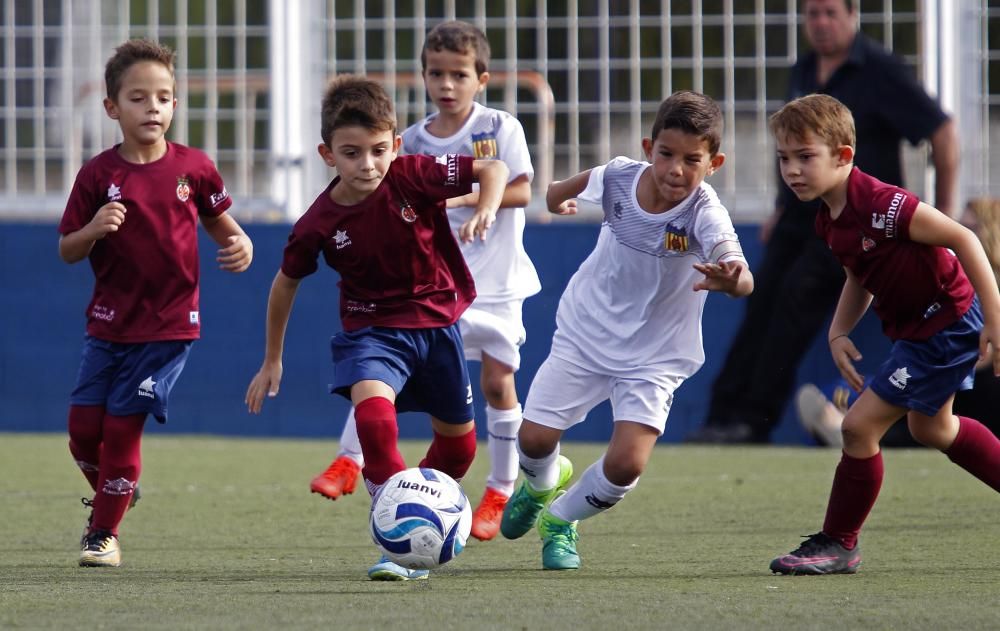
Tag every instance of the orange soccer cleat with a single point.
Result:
(338, 479)
(486, 518)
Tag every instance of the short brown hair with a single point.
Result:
(692, 113)
(458, 37)
(130, 53)
(354, 101)
(850, 5)
(817, 115)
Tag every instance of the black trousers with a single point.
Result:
(795, 291)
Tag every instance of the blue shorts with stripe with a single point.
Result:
(424, 367)
(923, 375)
(129, 379)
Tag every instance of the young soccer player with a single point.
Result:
(455, 63)
(382, 225)
(895, 250)
(629, 322)
(133, 212)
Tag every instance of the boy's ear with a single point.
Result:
(715, 163)
(326, 154)
(845, 155)
(111, 109)
(397, 142)
(647, 148)
(484, 78)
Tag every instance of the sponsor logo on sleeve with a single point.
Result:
(217, 198)
(451, 163)
(892, 213)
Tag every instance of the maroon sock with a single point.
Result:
(378, 434)
(85, 422)
(451, 454)
(121, 462)
(855, 488)
(977, 451)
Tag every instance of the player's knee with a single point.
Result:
(537, 441)
(498, 387)
(623, 471)
(855, 431)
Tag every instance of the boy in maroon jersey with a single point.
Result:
(133, 212)
(382, 225)
(941, 308)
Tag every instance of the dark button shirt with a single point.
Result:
(888, 105)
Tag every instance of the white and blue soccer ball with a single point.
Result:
(421, 518)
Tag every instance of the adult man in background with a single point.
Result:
(799, 281)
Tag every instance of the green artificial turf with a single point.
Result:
(227, 536)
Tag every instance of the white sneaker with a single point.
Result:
(819, 415)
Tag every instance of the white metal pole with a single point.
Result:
(288, 67)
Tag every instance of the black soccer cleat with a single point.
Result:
(818, 554)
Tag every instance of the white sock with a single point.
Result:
(541, 474)
(593, 493)
(350, 446)
(502, 426)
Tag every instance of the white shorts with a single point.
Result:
(495, 329)
(562, 394)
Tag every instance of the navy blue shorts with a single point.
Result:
(424, 367)
(129, 379)
(923, 375)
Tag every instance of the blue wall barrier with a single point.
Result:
(43, 322)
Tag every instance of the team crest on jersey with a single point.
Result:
(484, 146)
(183, 189)
(618, 210)
(867, 243)
(675, 239)
(406, 210)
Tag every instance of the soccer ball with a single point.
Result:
(421, 518)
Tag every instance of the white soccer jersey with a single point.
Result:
(630, 309)
(499, 265)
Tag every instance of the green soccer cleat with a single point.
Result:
(523, 508)
(559, 539)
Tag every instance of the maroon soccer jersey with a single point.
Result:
(146, 273)
(398, 261)
(918, 289)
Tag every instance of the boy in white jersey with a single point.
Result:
(629, 322)
(454, 59)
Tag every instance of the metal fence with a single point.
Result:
(584, 77)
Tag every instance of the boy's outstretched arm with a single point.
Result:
(560, 198)
(933, 227)
(76, 246)
(517, 194)
(854, 302)
(492, 177)
(236, 249)
(279, 308)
